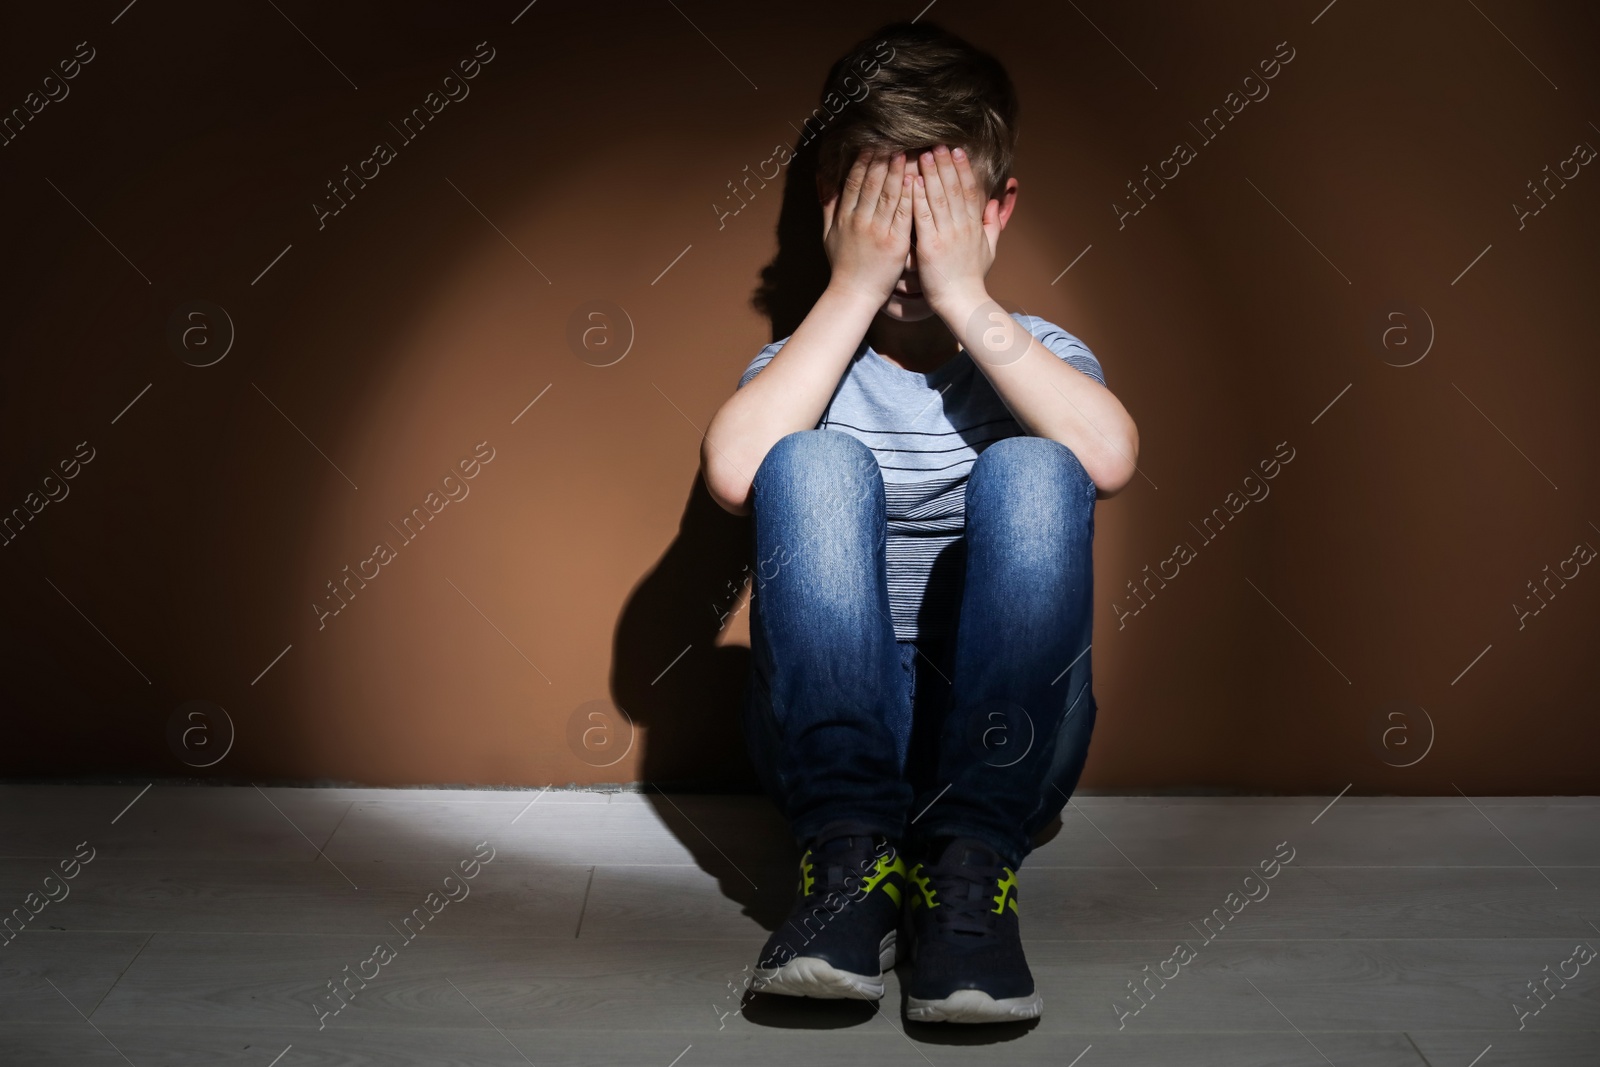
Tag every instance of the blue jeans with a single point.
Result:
(982, 733)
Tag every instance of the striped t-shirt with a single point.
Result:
(926, 430)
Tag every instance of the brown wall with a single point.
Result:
(383, 347)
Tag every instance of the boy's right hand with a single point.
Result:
(866, 225)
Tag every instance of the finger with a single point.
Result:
(969, 181)
(852, 183)
(949, 180)
(900, 225)
(925, 226)
(920, 209)
(893, 186)
(828, 208)
(873, 185)
(938, 203)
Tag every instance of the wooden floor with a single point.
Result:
(617, 928)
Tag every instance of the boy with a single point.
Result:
(922, 469)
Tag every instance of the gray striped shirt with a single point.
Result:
(926, 430)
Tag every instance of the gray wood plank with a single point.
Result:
(239, 823)
(1100, 904)
(1340, 985)
(83, 968)
(169, 897)
(872, 1041)
(1551, 834)
(620, 833)
(1335, 985)
(1313, 902)
(641, 901)
(1367, 834)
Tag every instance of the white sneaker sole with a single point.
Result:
(808, 976)
(973, 1006)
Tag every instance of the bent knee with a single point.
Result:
(809, 468)
(1038, 461)
(807, 450)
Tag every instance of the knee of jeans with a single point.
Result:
(1037, 459)
(812, 456)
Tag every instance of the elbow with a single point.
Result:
(1110, 482)
(726, 486)
(1119, 465)
(731, 502)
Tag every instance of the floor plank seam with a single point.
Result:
(119, 977)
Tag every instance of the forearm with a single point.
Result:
(790, 393)
(1049, 397)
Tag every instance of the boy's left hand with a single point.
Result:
(957, 229)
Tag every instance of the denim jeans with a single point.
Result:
(982, 733)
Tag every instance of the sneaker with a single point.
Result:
(967, 959)
(840, 938)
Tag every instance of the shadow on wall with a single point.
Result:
(690, 733)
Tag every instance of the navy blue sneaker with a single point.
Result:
(967, 959)
(841, 936)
